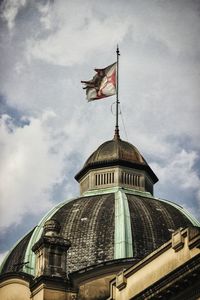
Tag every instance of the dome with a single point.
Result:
(105, 226)
(116, 220)
(116, 152)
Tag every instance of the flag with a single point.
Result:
(103, 84)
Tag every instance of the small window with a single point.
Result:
(51, 259)
(54, 259)
(107, 178)
(58, 260)
(113, 177)
(96, 179)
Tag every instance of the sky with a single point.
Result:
(48, 129)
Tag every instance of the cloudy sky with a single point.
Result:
(47, 127)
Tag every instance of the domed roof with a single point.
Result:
(112, 220)
(116, 152)
(104, 226)
(113, 150)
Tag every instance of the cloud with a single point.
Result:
(70, 33)
(180, 174)
(10, 9)
(180, 170)
(31, 165)
(67, 25)
(172, 27)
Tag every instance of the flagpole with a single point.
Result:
(117, 98)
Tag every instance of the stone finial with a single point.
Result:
(51, 227)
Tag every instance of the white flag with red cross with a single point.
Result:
(103, 84)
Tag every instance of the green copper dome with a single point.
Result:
(104, 225)
(111, 221)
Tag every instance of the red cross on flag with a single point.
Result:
(103, 84)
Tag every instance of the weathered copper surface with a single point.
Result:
(116, 149)
(152, 223)
(15, 261)
(116, 152)
(89, 223)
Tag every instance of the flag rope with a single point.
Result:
(123, 123)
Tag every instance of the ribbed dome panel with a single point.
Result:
(89, 224)
(96, 224)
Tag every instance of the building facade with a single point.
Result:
(113, 232)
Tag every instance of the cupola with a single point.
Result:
(116, 163)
